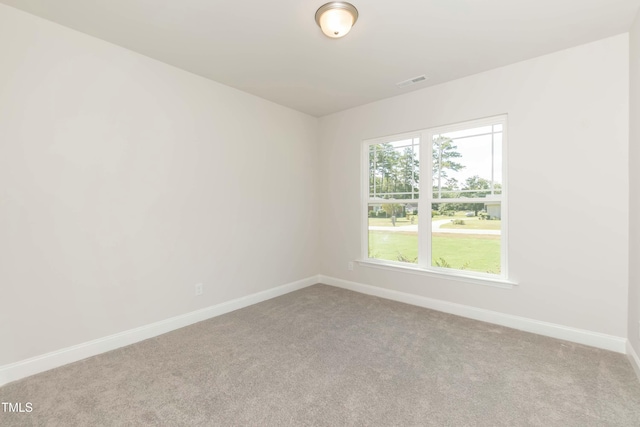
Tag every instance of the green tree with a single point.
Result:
(382, 160)
(445, 153)
(392, 209)
(392, 170)
(408, 167)
(482, 188)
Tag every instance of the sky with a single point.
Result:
(475, 147)
(476, 157)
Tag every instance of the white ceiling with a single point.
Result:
(273, 49)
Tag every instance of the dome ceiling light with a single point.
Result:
(336, 18)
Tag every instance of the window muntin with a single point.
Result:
(467, 163)
(393, 192)
(393, 169)
(463, 230)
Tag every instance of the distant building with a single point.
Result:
(493, 210)
(410, 208)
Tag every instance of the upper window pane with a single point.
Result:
(467, 163)
(394, 169)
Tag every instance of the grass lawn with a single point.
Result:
(392, 245)
(475, 224)
(471, 252)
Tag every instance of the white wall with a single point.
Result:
(124, 182)
(568, 128)
(634, 190)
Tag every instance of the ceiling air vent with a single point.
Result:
(412, 81)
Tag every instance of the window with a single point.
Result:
(435, 199)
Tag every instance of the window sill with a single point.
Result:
(486, 281)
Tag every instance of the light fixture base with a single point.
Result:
(336, 18)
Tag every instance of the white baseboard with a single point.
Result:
(35, 365)
(634, 359)
(581, 336)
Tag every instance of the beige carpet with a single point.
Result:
(330, 357)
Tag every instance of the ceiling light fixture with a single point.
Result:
(336, 18)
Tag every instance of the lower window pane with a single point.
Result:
(467, 236)
(393, 232)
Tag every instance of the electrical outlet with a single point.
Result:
(198, 289)
(350, 265)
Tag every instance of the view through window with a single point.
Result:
(457, 226)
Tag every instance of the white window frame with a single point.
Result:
(424, 205)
